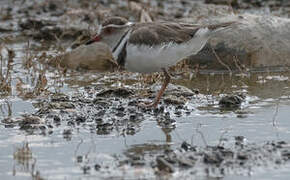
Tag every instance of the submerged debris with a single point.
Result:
(119, 92)
(216, 161)
(231, 102)
(164, 165)
(29, 123)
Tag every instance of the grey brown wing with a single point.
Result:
(158, 33)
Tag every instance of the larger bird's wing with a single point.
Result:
(157, 33)
(152, 34)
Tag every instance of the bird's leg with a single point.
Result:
(161, 91)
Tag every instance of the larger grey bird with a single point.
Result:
(153, 46)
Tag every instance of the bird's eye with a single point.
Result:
(108, 30)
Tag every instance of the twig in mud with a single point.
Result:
(125, 142)
(77, 148)
(35, 174)
(222, 87)
(231, 10)
(222, 137)
(41, 83)
(6, 112)
(274, 118)
(207, 84)
(178, 135)
(208, 89)
(37, 70)
(150, 78)
(201, 134)
(1, 64)
(145, 17)
(220, 61)
(27, 62)
(58, 42)
(236, 60)
(6, 69)
(180, 68)
(24, 157)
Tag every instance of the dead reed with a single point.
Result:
(6, 60)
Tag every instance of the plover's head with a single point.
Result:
(111, 31)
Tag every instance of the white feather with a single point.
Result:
(99, 30)
(146, 59)
(121, 45)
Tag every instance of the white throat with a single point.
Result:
(121, 44)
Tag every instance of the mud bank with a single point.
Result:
(110, 111)
(256, 43)
(212, 161)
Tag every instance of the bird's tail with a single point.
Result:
(220, 26)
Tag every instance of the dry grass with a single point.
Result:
(6, 109)
(23, 155)
(25, 162)
(37, 83)
(5, 70)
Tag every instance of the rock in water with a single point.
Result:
(96, 56)
(256, 42)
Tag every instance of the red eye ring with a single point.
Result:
(97, 38)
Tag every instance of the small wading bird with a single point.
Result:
(153, 46)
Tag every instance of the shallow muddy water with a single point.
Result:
(81, 152)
